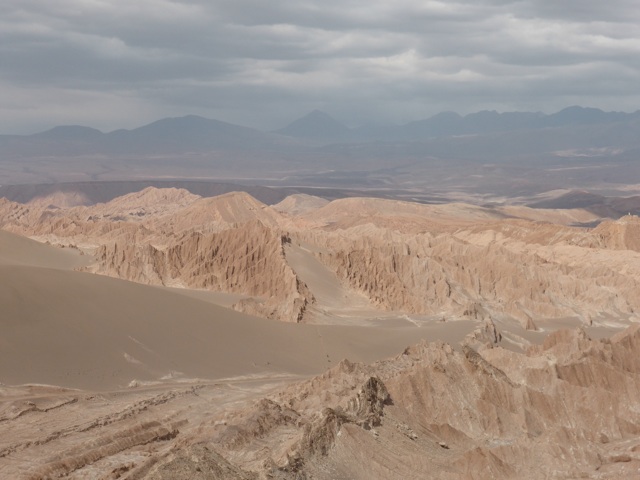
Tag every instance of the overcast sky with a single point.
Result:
(262, 63)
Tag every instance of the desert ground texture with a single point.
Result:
(167, 335)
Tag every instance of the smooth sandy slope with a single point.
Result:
(73, 343)
(73, 329)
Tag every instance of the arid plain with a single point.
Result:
(166, 335)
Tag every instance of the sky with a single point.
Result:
(114, 64)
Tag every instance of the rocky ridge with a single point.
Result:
(564, 409)
(448, 414)
(448, 274)
(435, 260)
(248, 259)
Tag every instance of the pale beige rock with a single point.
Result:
(383, 255)
(566, 408)
(248, 259)
(622, 234)
(434, 412)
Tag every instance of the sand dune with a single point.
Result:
(18, 250)
(81, 330)
(174, 386)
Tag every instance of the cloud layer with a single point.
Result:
(114, 63)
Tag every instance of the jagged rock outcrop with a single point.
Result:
(565, 409)
(231, 243)
(368, 405)
(365, 409)
(622, 234)
(435, 260)
(486, 335)
(429, 274)
(248, 259)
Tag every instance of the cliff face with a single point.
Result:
(439, 260)
(433, 275)
(248, 260)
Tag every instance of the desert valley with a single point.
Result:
(164, 334)
(319, 240)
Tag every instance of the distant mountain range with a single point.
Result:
(198, 133)
(320, 126)
(573, 132)
(516, 154)
(170, 135)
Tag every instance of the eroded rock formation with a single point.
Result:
(436, 260)
(564, 409)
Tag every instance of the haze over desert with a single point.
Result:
(319, 240)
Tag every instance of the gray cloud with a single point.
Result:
(115, 63)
